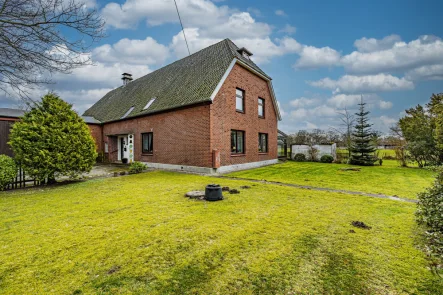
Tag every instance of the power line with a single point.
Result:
(183, 29)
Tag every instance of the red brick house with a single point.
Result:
(213, 111)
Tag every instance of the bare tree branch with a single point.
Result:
(39, 38)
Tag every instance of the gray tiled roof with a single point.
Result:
(90, 120)
(11, 113)
(188, 81)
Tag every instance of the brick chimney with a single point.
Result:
(126, 78)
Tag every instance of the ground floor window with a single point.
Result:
(237, 142)
(147, 143)
(262, 143)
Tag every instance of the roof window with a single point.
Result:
(149, 103)
(128, 112)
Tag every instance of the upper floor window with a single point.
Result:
(240, 100)
(262, 143)
(237, 142)
(147, 143)
(261, 107)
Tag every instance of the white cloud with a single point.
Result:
(280, 12)
(310, 126)
(313, 57)
(362, 84)
(385, 105)
(383, 123)
(83, 99)
(304, 102)
(426, 50)
(282, 111)
(98, 76)
(316, 112)
(263, 49)
(370, 45)
(157, 12)
(212, 21)
(432, 72)
(341, 101)
(288, 29)
(133, 51)
(238, 25)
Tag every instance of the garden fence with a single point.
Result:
(21, 180)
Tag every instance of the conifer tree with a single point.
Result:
(53, 140)
(362, 150)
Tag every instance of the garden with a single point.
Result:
(138, 234)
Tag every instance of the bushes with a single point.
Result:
(299, 157)
(8, 170)
(430, 215)
(302, 158)
(137, 167)
(51, 140)
(326, 159)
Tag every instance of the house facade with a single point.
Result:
(213, 111)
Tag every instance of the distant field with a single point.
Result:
(382, 153)
(389, 179)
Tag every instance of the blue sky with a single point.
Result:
(321, 54)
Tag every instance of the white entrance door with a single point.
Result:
(123, 149)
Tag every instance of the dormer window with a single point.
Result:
(245, 53)
(149, 103)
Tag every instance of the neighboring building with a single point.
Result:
(323, 149)
(7, 119)
(213, 111)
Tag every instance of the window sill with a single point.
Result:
(238, 155)
(261, 117)
(146, 154)
(260, 153)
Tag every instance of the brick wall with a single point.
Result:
(224, 118)
(188, 136)
(96, 132)
(181, 137)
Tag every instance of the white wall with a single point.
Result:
(323, 149)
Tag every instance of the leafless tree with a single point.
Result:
(41, 37)
(347, 123)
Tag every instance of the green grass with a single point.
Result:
(139, 235)
(388, 179)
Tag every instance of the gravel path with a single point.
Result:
(381, 196)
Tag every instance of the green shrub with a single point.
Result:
(51, 140)
(8, 171)
(430, 215)
(137, 167)
(300, 157)
(327, 159)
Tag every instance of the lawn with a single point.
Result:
(388, 179)
(138, 235)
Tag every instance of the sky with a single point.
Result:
(323, 56)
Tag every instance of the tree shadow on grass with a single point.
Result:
(339, 275)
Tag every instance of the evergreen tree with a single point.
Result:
(362, 149)
(52, 139)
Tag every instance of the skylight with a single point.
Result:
(149, 103)
(128, 112)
